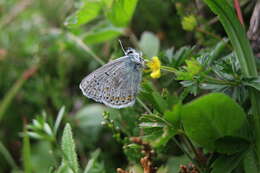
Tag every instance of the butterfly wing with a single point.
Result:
(115, 84)
(93, 84)
(121, 90)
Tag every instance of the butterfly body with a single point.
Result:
(115, 84)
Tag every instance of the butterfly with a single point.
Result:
(116, 83)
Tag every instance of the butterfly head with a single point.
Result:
(135, 56)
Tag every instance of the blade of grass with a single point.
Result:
(14, 90)
(91, 162)
(7, 156)
(59, 118)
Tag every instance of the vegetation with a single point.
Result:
(198, 109)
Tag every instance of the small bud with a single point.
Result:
(189, 23)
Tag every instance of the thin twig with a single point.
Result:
(208, 33)
(199, 29)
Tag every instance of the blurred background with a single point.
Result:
(47, 47)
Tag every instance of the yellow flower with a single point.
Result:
(189, 23)
(155, 65)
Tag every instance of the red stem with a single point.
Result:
(238, 10)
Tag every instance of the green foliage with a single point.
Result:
(101, 33)
(88, 11)
(202, 110)
(121, 12)
(206, 125)
(226, 164)
(68, 148)
(93, 165)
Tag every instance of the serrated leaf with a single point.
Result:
(68, 148)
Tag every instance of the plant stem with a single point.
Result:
(238, 10)
(208, 33)
(144, 106)
(182, 149)
(212, 80)
(186, 153)
(15, 88)
(82, 45)
(169, 69)
(8, 156)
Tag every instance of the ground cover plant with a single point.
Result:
(197, 110)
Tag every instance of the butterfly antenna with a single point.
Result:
(122, 46)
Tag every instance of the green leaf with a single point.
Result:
(92, 162)
(231, 145)
(211, 117)
(173, 116)
(59, 118)
(253, 83)
(250, 162)
(160, 102)
(181, 55)
(88, 11)
(68, 148)
(102, 33)
(174, 163)
(225, 164)
(39, 154)
(149, 44)
(216, 52)
(90, 116)
(121, 12)
(157, 131)
(151, 95)
(242, 47)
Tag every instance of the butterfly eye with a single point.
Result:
(129, 52)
